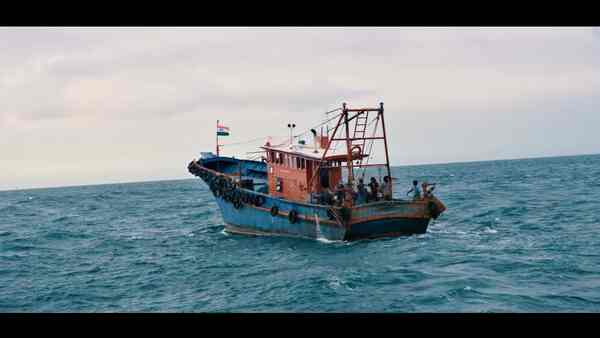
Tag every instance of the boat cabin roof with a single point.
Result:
(311, 153)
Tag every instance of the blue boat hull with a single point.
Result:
(272, 217)
(250, 220)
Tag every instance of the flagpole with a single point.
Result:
(218, 169)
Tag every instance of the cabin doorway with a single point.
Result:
(324, 177)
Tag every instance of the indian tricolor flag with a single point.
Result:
(222, 130)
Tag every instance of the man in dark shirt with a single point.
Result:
(415, 190)
(339, 194)
(374, 186)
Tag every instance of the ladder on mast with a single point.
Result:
(360, 129)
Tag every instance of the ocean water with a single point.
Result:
(518, 236)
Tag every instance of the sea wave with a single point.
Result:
(517, 236)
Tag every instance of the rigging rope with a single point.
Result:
(277, 137)
(320, 124)
(248, 141)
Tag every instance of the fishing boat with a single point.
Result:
(315, 188)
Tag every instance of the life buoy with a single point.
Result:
(293, 216)
(274, 210)
(259, 200)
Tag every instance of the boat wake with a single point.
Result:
(319, 234)
(327, 241)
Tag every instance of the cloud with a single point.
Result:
(86, 94)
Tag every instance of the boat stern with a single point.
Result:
(392, 218)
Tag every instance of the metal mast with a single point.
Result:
(349, 160)
(387, 157)
(360, 137)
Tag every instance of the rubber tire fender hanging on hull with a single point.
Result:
(259, 200)
(274, 210)
(293, 216)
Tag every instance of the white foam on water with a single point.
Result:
(320, 236)
(335, 282)
(425, 235)
(224, 232)
(318, 228)
(489, 230)
(325, 240)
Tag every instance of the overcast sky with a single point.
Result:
(100, 105)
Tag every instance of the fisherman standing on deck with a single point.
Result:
(339, 194)
(362, 192)
(374, 189)
(386, 188)
(415, 188)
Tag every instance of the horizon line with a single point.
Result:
(401, 165)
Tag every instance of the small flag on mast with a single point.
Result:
(222, 130)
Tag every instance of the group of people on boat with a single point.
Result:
(363, 193)
(375, 192)
(367, 193)
(427, 190)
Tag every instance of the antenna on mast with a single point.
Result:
(291, 126)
